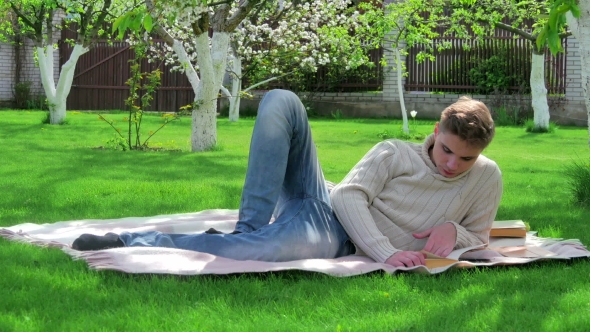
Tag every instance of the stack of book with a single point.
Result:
(508, 233)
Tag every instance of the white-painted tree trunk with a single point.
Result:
(189, 70)
(539, 92)
(400, 90)
(234, 99)
(212, 61)
(581, 30)
(57, 96)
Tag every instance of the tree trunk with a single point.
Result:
(538, 91)
(400, 90)
(234, 99)
(580, 28)
(212, 61)
(57, 96)
(204, 127)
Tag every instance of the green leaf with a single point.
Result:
(123, 27)
(135, 22)
(553, 20)
(148, 23)
(542, 37)
(117, 23)
(554, 41)
(575, 10)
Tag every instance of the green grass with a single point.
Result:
(54, 173)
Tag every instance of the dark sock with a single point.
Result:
(214, 231)
(88, 242)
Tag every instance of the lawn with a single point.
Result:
(55, 173)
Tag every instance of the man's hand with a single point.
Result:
(441, 239)
(407, 259)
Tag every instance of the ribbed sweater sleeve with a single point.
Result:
(475, 227)
(353, 196)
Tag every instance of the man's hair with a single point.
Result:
(470, 120)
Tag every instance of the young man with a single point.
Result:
(442, 189)
(436, 196)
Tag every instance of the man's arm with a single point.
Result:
(474, 229)
(353, 196)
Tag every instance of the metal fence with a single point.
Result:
(101, 73)
(450, 72)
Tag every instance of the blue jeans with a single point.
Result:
(284, 178)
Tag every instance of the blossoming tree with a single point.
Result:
(37, 21)
(186, 27)
(287, 37)
(198, 36)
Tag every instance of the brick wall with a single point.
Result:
(573, 89)
(29, 69)
(6, 71)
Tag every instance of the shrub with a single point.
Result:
(506, 116)
(491, 74)
(22, 94)
(142, 87)
(489, 67)
(530, 127)
(385, 135)
(578, 174)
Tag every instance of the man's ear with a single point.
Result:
(435, 130)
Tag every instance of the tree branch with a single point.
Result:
(213, 4)
(196, 29)
(164, 35)
(22, 16)
(514, 30)
(49, 27)
(84, 21)
(220, 18)
(266, 81)
(93, 34)
(240, 14)
(158, 28)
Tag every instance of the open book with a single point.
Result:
(479, 253)
(434, 261)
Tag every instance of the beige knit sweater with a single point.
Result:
(396, 190)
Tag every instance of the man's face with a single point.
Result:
(452, 155)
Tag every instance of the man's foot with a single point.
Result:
(214, 231)
(88, 242)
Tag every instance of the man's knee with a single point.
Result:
(283, 94)
(284, 101)
(283, 106)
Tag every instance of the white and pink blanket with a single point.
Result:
(183, 262)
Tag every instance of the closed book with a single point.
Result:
(508, 228)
